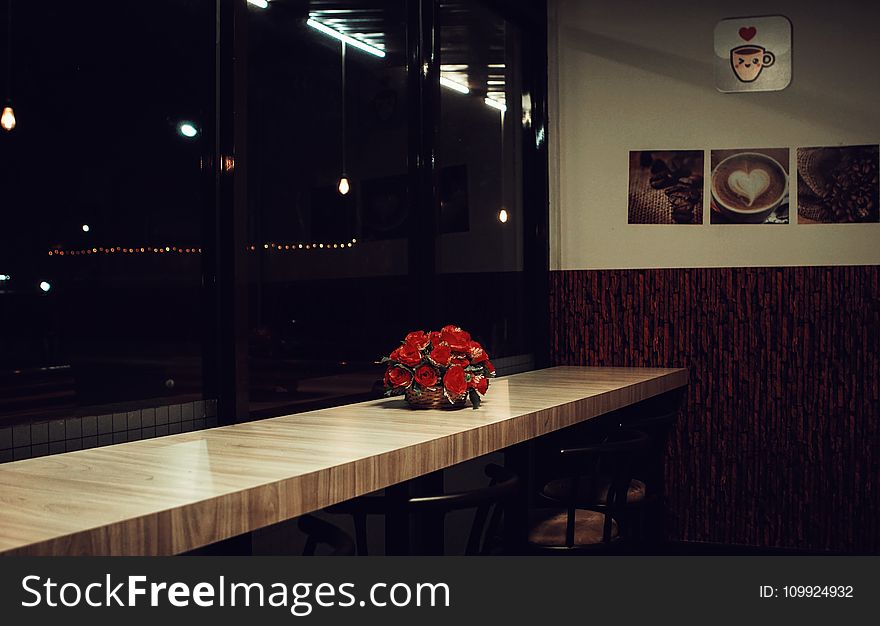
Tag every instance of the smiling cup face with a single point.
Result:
(748, 61)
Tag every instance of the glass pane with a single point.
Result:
(103, 209)
(327, 270)
(480, 250)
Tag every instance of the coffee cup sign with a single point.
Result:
(753, 54)
(748, 61)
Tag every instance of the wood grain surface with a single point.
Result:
(177, 493)
(778, 444)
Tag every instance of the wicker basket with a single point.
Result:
(433, 399)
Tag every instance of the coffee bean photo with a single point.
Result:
(838, 185)
(666, 187)
(749, 186)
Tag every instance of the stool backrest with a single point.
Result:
(649, 467)
(610, 462)
(657, 427)
(321, 532)
(487, 501)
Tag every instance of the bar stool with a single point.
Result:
(484, 535)
(590, 502)
(321, 532)
(649, 469)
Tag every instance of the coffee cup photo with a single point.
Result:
(747, 187)
(748, 61)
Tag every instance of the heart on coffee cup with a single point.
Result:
(749, 185)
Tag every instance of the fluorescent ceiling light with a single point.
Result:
(360, 45)
(496, 105)
(448, 82)
(263, 4)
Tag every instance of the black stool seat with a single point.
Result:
(560, 488)
(550, 526)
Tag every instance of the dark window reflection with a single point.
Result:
(328, 287)
(103, 205)
(331, 283)
(480, 249)
(109, 220)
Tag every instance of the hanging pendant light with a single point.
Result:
(7, 117)
(344, 185)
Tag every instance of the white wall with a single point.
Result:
(630, 75)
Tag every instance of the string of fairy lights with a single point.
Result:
(177, 250)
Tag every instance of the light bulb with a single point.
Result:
(45, 286)
(344, 187)
(187, 129)
(502, 216)
(85, 228)
(7, 119)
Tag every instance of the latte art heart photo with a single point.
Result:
(749, 185)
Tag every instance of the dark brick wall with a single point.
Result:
(778, 444)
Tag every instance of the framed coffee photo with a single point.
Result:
(838, 185)
(749, 186)
(665, 187)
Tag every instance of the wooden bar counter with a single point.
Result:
(172, 494)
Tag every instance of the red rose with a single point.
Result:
(489, 367)
(476, 352)
(463, 361)
(480, 383)
(454, 381)
(419, 338)
(435, 338)
(426, 376)
(440, 356)
(397, 377)
(457, 339)
(408, 354)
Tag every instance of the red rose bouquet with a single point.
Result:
(448, 362)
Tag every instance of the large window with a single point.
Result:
(480, 251)
(328, 276)
(178, 247)
(104, 202)
(428, 133)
